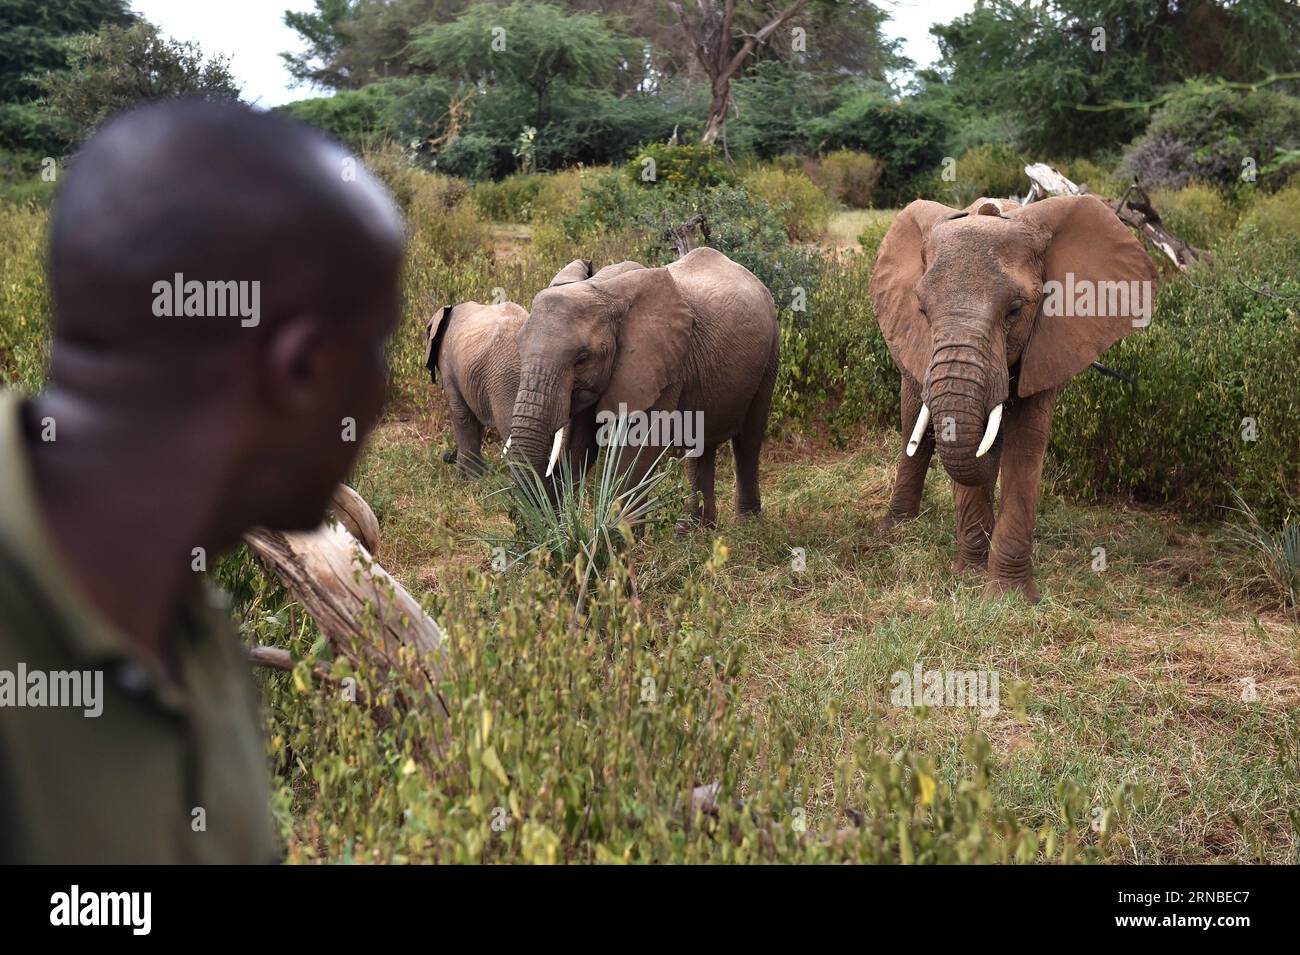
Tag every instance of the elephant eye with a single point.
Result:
(583, 356)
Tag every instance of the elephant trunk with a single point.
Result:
(965, 395)
(541, 409)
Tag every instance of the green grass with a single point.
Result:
(1134, 675)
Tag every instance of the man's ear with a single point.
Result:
(434, 332)
(296, 364)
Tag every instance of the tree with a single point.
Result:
(1040, 62)
(33, 41)
(724, 48)
(351, 43)
(117, 68)
(530, 47)
(32, 35)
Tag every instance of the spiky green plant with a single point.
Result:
(579, 527)
(1277, 551)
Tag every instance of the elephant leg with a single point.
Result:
(469, 436)
(974, 507)
(747, 446)
(1026, 425)
(701, 472)
(909, 484)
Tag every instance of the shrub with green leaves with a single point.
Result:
(906, 135)
(687, 166)
(995, 170)
(1217, 136)
(847, 176)
(803, 207)
(1198, 213)
(621, 738)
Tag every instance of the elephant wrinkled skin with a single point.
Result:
(699, 335)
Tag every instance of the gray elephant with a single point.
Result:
(473, 348)
(988, 312)
(698, 337)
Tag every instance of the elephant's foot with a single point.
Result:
(977, 563)
(892, 517)
(997, 586)
(449, 456)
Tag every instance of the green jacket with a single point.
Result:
(168, 770)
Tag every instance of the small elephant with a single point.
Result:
(473, 347)
(698, 337)
(988, 312)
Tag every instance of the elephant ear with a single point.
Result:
(899, 266)
(654, 333)
(1087, 244)
(434, 332)
(579, 270)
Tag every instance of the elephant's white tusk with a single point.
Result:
(555, 451)
(914, 441)
(990, 431)
(507, 447)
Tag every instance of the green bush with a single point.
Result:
(1274, 218)
(847, 176)
(1198, 213)
(687, 166)
(508, 200)
(907, 136)
(804, 209)
(1216, 137)
(624, 739)
(994, 170)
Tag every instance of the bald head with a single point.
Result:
(231, 273)
(214, 192)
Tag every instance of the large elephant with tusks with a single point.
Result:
(698, 337)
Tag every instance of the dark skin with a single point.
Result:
(180, 433)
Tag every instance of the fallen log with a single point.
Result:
(361, 610)
(1136, 212)
(352, 511)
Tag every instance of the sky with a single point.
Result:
(252, 33)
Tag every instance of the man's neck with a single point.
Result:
(126, 497)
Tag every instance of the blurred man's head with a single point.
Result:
(217, 267)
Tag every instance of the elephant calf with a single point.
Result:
(988, 312)
(473, 347)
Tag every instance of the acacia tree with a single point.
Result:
(724, 49)
(532, 47)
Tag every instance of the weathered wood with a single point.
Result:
(1044, 181)
(362, 611)
(1134, 209)
(683, 237)
(1139, 213)
(352, 511)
